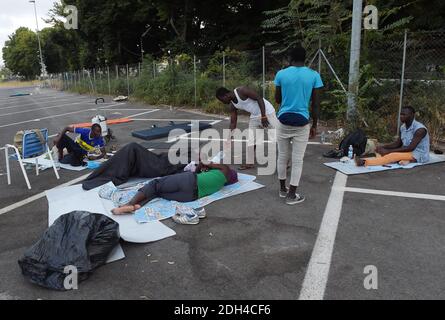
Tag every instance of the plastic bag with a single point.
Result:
(80, 239)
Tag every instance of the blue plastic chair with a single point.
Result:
(32, 148)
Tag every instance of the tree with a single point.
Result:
(5, 73)
(61, 49)
(21, 53)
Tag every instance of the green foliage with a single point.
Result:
(428, 98)
(21, 53)
(5, 73)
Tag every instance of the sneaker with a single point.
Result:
(295, 199)
(201, 212)
(283, 194)
(187, 218)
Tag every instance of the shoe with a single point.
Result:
(334, 154)
(187, 218)
(283, 194)
(201, 212)
(298, 198)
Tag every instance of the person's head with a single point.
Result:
(407, 114)
(233, 177)
(297, 55)
(96, 130)
(224, 95)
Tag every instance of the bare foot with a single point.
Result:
(404, 162)
(125, 209)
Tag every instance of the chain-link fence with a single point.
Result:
(184, 80)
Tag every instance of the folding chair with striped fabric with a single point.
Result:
(34, 145)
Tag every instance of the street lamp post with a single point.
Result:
(354, 64)
(42, 64)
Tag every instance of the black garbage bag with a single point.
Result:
(81, 239)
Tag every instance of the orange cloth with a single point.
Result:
(112, 121)
(390, 158)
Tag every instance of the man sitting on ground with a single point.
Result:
(89, 141)
(262, 115)
(183, 187)
(413, 144)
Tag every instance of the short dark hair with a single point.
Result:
(297, 54)
(220, 92)
(96, 125)
(410, 109)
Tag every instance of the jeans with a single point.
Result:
(181, 187)
(254, 125)
(299, 137)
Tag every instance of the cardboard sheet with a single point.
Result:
(351, 169)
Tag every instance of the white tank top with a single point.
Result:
(252, 106)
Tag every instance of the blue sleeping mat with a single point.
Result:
(20, 94)
(161, 132)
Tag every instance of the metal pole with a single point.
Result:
(94, 78)
(354, 63)
(194, 78)
(142, 52)
(128, 83)
(264, 72)
(333, 71)
(224, 69)
(154, 69)
(319, 56)
(42, 64)
(139, 67)
(109, 83)
(402, 81)
(117, 72)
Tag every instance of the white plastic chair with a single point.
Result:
(32, 148)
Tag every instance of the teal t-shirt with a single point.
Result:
(296, 85)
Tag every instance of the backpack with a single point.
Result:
(18, 138)
(358, 141)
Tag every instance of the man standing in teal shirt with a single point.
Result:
(295, 86)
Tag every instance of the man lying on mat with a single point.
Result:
(413, 144)
(90, 142)
(183, 187)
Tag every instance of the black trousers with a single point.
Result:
(132, 160)
(75, 152)
(181, 187)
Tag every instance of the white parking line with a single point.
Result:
(43, 108)
(315, 280)
(128, 109)
(39, 195)
(38, 101)
(49, 117)
(397, 194)
(139, 114)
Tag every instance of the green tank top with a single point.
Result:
(210, 182)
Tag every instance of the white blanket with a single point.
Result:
(350, 168)
(46, 164)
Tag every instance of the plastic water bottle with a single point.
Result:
(351, 152)
(323, 138)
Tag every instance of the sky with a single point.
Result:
(20, 13)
